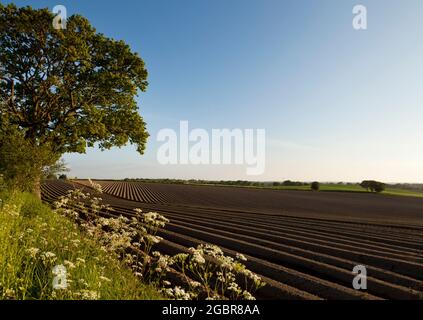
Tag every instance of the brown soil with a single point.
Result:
(304, 244)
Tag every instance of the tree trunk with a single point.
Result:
(37, 187)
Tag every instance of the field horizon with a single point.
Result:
(394, 189)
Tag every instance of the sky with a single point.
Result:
(337, 104)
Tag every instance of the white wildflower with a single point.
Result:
(198, 258)
(33, 252)
(241, 257)
(96, 186)
(105, 279)
(69, 264)
(89, 295)
(9, 294)
(48, 257)
(248, 296)
(195, 284)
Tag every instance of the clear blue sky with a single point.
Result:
(337, 104)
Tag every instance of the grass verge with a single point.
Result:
(34, 240)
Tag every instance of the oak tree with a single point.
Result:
(68, 89)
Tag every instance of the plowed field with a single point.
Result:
(304, 244)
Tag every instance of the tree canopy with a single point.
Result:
(72, 87)
(315, 186)
(373, 186)
(68, 89)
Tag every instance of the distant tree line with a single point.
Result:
(369, 185)
(407, 186)
(286, 183)
(373, 186)
(289, 183)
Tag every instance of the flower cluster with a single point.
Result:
(96, 186)
(178, 293)
(217, 274)
(48, 258)
(118, 236)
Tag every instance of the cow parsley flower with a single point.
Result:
(33, 252)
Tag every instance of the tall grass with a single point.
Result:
(34, 239)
